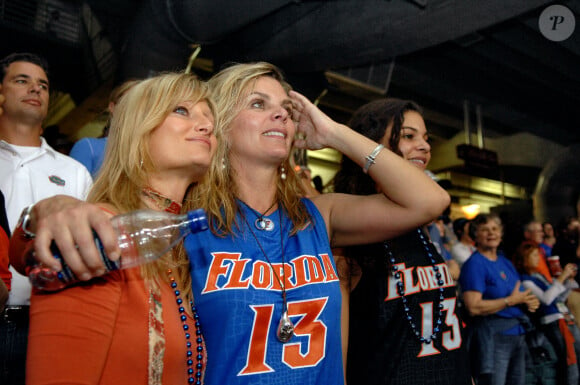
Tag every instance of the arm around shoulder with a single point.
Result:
(69, 223)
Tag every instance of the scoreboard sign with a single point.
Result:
(477, 157)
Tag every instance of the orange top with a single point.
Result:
(97, 333)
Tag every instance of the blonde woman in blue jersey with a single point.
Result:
(264, 280)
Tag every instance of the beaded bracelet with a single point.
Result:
(371, 158)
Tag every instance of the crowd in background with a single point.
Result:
(424, 298)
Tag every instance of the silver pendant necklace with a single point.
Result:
(262, 223)
(285, 329)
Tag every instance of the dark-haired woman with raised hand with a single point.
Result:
(404, 327)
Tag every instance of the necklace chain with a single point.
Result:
(261, 223)
(401, 290)
(285, 327)
(281, 282)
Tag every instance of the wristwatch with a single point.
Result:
(24, 221)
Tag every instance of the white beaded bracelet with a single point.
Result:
(371, 158)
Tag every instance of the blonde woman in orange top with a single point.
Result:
(126, 327)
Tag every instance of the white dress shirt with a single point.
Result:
(29, 174)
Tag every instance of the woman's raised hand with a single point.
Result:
(314, 129)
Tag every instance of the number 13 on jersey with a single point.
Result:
(307, 312)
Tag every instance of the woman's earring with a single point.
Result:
(223, 163)
(282, 172)
(141, 163)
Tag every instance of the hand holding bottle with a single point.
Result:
(142, 236)
(70, 223)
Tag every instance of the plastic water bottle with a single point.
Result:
(143, 236)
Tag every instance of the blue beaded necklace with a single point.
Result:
(193, 376)
(401, 290)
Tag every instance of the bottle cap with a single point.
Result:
(198, 220)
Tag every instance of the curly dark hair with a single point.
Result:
(372, 120)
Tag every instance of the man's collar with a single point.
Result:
(43, 145)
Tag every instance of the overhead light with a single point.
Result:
(470, 211)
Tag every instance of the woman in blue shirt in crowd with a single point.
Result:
(494, 297)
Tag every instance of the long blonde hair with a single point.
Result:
(127, 162)
(217, 194)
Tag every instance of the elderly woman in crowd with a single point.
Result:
(494, 297)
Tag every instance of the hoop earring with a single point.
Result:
(282, 172)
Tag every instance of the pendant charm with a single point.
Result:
(285, 328)
(264, 224)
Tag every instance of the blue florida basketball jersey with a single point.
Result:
(239, 301)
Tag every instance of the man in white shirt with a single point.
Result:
(30, 170)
